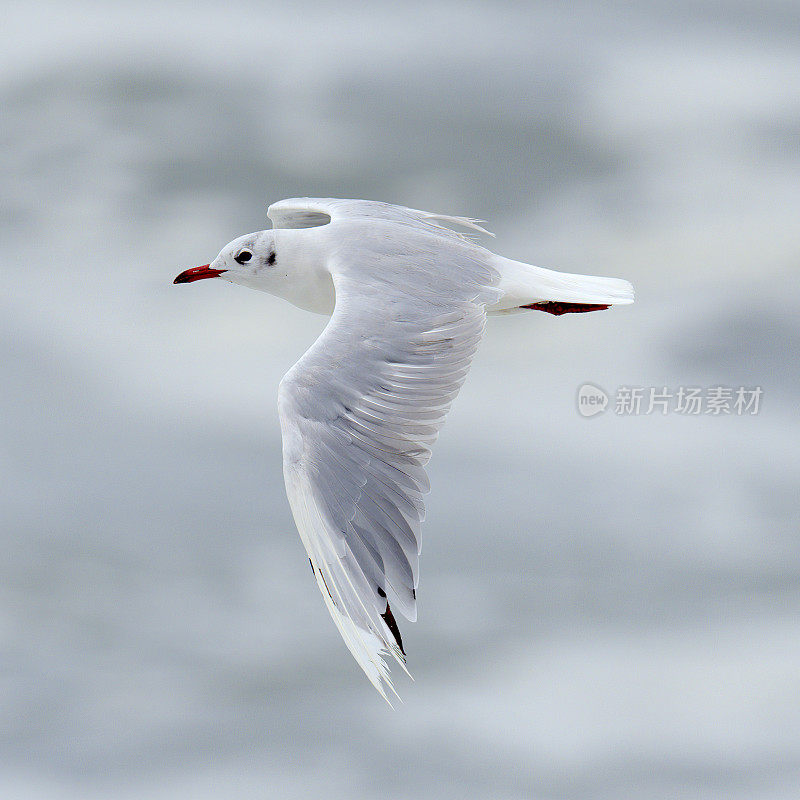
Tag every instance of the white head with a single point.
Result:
(295, 270)
(250, 260)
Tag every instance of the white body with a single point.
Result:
(304, 275)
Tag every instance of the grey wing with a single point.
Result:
(359, 413)
(312, 212)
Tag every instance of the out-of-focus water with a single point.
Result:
(608, 606)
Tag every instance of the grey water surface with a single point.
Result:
(609, 607)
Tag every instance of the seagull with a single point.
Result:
(407, 293)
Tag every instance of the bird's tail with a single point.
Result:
(527, 287)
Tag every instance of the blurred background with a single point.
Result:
(608, 607)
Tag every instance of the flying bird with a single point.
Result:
(407, 295)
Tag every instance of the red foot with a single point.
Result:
(564, 308)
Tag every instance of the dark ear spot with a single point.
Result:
(271, 258)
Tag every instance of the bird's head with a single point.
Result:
(249, 260)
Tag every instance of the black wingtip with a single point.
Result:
(388, 618)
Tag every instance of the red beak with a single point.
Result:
(198, 273)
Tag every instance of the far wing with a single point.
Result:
(359, 413)
(311, 212)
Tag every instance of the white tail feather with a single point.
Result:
(524, 284)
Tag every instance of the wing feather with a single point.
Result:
(362, 408)
(313, 212)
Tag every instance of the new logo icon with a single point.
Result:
(591, 400)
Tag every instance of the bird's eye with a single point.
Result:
(243, 257)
